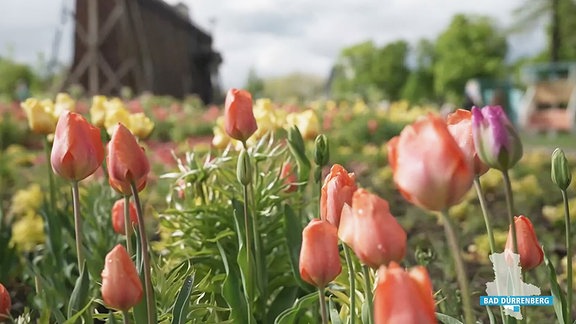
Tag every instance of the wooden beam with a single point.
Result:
(93, 82)
(120, 73)
(111, 21)
(112, 77)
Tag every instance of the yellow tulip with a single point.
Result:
(41, 118)
(220, 139)
(98, 110)
(116, 113)
(140, 125)
(63, 102)
(28, 232)
(306, 121)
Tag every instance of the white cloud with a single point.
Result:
(278, 36)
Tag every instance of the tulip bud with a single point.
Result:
(319, 257)
(239, 121)
(321, 150)
(371, 230)
(404, 297)
(118, 223)
(297, 147)
(5, 303)
(126, 161)
(244, 168)
(121, 286)
(497, 142)
(531, 254)
(78, 150)
(337, 190)
(561, 174)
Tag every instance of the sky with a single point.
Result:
(274, 37)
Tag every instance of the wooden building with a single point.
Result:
(146, 45)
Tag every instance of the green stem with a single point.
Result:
(569, 288)
(150, 302)
(248, 290)
(77, 224)
(128, 225)
(126, 317)
(352, 278)
(323, 305)
(460, 269)
(52, 186)
(510, 208)
(368, 292)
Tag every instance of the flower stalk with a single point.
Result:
(569, 284)
(368, 293)
(352, 279)
(127, 224)
(510, 208)
(77, 224)
(323, 311)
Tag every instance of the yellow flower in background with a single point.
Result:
(306, 121)
(360, 107)
(98, 110)
(28, 231)
(266, 118)
(140, 125)
(63, 102)
(40, 114)
(116, 113)
(220, 139)
(25, 200)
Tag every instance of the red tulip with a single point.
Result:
(371, 231)
(121, 286)
(77, 150)
(118, 216)
(319, 256)
(531, 254)
(430, 169)
(460, 126)
(289, 177)
(338, 188)
(239, 121)
(5, 303)
(403, 297)
(126, 161)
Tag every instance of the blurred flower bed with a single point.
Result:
(185, 140)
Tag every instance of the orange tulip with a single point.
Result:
(77, 150)
(5, 303)
(319, 256)
(338, 188)
(403, 297)
(118, 216)
(460, 126)
(371, 231)
(126, 161)
(430, 169)
(121, 286)
(531, 254)
(289, 177)
(239, 121)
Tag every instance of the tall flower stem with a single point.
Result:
(77, 223)
(368, 292)
(460, 269)
(323, 311)
(125, 317)
(352, 278)
(569, 288)
(150, 302)
(510, 208)
(128, 225)
(484, 207)
(51, 183)
(248, 243)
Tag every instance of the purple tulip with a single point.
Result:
(497, 142)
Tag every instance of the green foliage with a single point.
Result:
(12, 73)
(294, 87)
(371, 72)
(254, 84)
(471, 47)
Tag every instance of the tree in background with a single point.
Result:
(254, 84)
(471, 47)
(294, 87)
(13, 74)
(419, 87)
(370, 72)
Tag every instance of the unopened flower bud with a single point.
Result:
(244, 168)
(561, 174)
(321, 150)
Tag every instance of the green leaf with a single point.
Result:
(80, 293)
(112, 318)
(290, 315)
(334, 316)
(446, 319)
(283, 300)
(232, 291)
(182, 301)
(293, 234)
(76, 316)
(559, 299)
